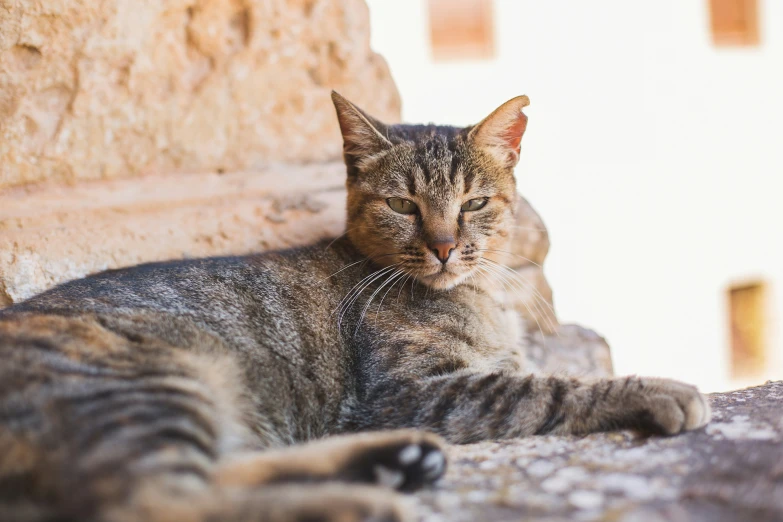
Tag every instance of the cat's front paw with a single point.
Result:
(666, 406)
(404, 459)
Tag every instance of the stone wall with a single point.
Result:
(120, 88)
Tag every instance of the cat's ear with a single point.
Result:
(501, 132)
(363, 135)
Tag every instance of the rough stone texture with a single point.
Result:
(730, 471)
(51, 234)
(568, 350)
(117, 88)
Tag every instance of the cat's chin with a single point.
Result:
(442, 280)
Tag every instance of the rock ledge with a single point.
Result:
(730, 471)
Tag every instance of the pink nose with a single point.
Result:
(442, 249)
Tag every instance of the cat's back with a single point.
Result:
(221, 291)
(265, 317)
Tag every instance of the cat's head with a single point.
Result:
(431, 200)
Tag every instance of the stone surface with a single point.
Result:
(568, 350)
(732, 470)
(51, 234)
(120, 88)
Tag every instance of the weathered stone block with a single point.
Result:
(126, 87)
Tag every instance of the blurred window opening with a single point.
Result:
(461, 29)
(746, 320)
(734, 22)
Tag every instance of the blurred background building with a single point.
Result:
(654, 154)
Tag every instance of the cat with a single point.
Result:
(303, 384)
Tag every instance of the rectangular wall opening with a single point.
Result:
(734, 22)
(747, 313)
(461, 29)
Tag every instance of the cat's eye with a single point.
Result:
(402, 206)
(474, 204)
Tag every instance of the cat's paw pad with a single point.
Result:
(414, 466)
(409, 467)
(673, 406)
(405, 462)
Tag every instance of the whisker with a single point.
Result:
(511, 254)
(369, 281)
(472, 279)
(402, 287)
(332, 242)
(350, 292)
(517, 275)
(343, 268)
(525, 227)
(369, 301)
(366, 260)
(479, 270)
(505, 281)
(538, 299)
(399, 277)
(347, 301)
(524, 303)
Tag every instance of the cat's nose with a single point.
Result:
(442, 249)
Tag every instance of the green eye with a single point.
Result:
(402, 206)
(474, 204)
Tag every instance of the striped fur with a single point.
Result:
(198, 390)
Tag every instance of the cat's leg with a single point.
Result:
(468, 407)
(402, 459)
(323, 503)
(330, 502)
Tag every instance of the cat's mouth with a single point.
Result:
(443, 278)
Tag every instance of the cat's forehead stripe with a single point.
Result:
(438, 161)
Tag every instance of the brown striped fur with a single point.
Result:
(199, 390)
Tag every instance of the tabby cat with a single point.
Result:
(172, 391)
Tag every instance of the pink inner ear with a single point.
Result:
(513, 134)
